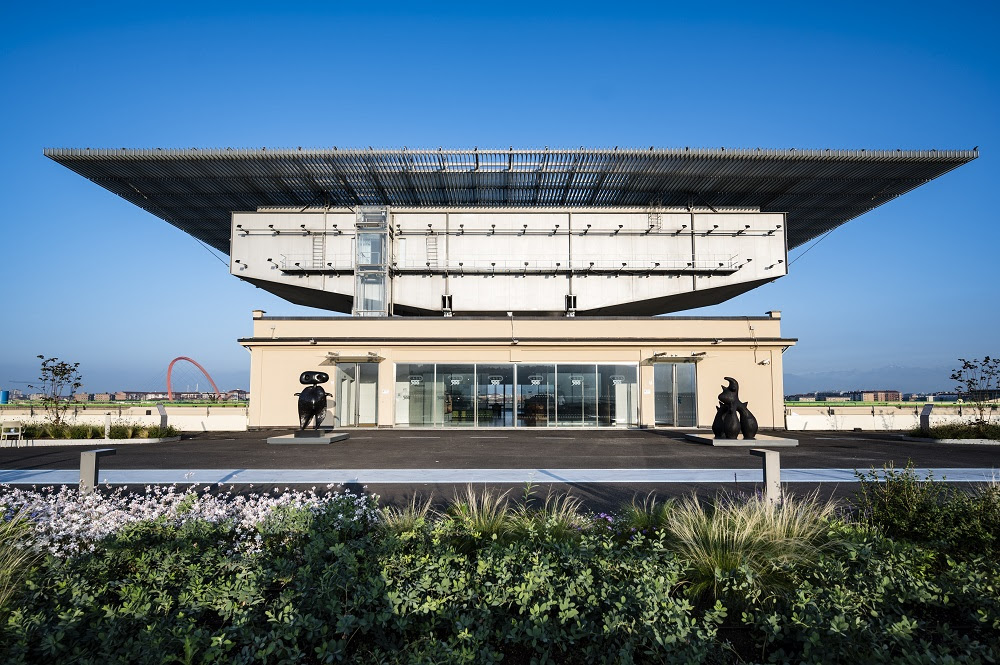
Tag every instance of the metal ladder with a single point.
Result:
(319, 251)
(432, 251)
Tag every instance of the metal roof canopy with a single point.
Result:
(197, 190)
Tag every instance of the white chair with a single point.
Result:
(11, 431)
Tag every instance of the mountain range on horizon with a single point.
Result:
(890, 377)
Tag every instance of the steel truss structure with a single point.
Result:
(197, 190)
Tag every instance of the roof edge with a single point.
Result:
(861, 154)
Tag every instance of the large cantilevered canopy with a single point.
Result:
(197, 190)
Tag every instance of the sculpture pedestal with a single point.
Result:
(760, 441)
(309, 436)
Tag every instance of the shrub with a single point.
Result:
(80, 431)
(649, 516)
(743, 549)
(157, 432)
(943, 516)
(973, 430)
(486, 514)
(408, 519)
(868, 599)
(560, 517)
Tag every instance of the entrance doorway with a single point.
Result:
(356, 395)
(675, 396)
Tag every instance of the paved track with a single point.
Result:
(604, 468)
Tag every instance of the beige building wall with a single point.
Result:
(746, 348)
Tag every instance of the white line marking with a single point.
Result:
(488, 437)
(413, 476)
(419, 437)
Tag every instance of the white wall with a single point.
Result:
(462, 241)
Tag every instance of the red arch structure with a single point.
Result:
(170, 367)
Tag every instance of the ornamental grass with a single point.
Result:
(745, 548)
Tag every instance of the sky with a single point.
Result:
(895, 296)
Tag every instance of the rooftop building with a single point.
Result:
(467, 258)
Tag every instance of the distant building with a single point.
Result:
(37, 397)
(104, 397)
(879, 396)
(81, 397)
(121, 396)
(946, 397)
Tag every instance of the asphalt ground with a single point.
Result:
(517, 449)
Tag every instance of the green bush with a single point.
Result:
(957, 521)
(428, 588)
(974, 430)
(869, 599)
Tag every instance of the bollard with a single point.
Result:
(107, 426)
(772, 474)
(89, 468)
(925, 418)
(162, 410)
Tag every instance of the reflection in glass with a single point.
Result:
(687, 415)
(367, 410)
(414, 394)
(675, 394)
(344, 376)
(576, 395)
(495, 393)
(536, 388)
(618, 396)
(455, 396)
(663, 394)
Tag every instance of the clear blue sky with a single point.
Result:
(91, 278)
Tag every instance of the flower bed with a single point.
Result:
(174, 575)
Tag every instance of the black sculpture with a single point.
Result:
(732, 416)
(312, 400)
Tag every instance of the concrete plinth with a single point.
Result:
(761, 440)
(309, 437)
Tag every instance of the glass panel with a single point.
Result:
(536, 391)
(371, 249)
(687, 397)
(455, 394)
(414, 394)
(371, 293)
(576, 395)
(618, 395)
(345, 377)
(663, 393)
(367, 394)
(495, 394)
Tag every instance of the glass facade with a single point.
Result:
(454, 393)
(495, 395)
(415, 394)
(536, 395)
(617, 396)
(675, 395)
(517, 395)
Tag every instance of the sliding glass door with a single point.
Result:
(675, 395)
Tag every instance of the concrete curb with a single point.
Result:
(44, 443)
